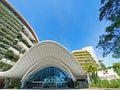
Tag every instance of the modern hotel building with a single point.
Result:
(86, 56)
(16, 36)
(39, 65)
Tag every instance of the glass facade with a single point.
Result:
(49, 77)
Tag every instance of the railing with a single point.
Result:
(11, 19)
(7, 11)
(42, 84)
(10, 24)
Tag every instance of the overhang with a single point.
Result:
(47, 53)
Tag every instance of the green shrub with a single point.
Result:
(107, 84)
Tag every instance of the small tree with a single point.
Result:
(116, 67)
(91, 73)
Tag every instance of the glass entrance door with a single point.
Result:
(49, 77)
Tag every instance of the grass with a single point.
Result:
(107, 84)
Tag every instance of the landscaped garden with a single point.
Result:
(96, 82)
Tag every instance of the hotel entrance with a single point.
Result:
(49, 77)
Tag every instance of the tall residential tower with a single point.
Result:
(16, 36)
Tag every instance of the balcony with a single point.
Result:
(4, 65)
(7, 41)
(27, 32)
(26, 38)
(10, 24)
(21, 44)
(16, 52)
(12, 20)
(8, 12)
(3, 51)
(7, 62)
(1, 56)
(9, 37)
(11, 56)
(7, 31)
(5, 46)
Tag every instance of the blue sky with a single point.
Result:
(72, 23)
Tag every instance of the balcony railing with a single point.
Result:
(9, 62)
(8, 12)
(10, 24)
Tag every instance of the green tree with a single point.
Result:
(102, 64)
(116, 67)
(91, 73)
(110, 41)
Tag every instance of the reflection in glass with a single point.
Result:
(49, 77)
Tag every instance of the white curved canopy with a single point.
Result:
(47, 53)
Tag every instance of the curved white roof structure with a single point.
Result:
(45, 54)
(21, 57)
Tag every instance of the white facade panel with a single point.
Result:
(45, 54)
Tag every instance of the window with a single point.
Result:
(50, 77)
